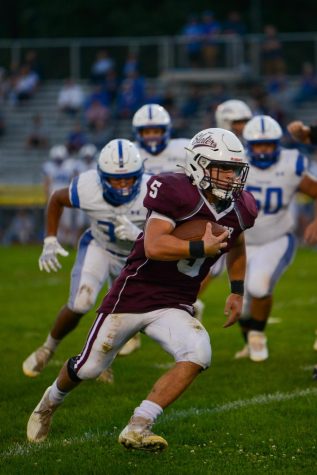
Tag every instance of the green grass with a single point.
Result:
(237, 418)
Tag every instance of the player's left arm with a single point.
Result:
(308, 185)
(236, 266)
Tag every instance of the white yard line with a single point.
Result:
(26, 449)
(261, 399)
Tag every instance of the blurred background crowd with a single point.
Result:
(78, 91)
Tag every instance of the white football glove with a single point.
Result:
(126, 230)
(48, 260)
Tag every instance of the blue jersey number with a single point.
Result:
(269, 200)
(108, 229)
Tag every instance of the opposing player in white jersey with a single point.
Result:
(230, 115)
(112, 196)
(274, 177)
(152, 132)
(152, 127)
(233, 115)
(58, 172)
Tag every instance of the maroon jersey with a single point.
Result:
(144, 284)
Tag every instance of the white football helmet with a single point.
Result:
(120, 159)
(88, 152)
(217, 149)
(263, 129)
(58, 153)
(231, 111)
(152, 115)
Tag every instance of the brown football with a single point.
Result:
(195, 229)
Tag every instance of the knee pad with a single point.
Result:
(85, 299)
(259, 286)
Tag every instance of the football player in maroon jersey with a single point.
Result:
(156, 289)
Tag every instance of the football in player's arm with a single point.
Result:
(156, 289)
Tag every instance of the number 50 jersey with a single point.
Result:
(273, 189)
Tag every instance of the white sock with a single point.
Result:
(148, 410)
(56, 396)
(51, 343)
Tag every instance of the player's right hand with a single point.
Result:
(48, 259)
(213, 244)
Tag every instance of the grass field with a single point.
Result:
(237, 418)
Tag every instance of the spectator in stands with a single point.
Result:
(96, 112)
(70, 97)
(111, 86)
(130, 97)
(234, 25)
(25, 84)
(37, 137)
(193, 33)
(211, 29)
(307, 89)
(100, 94)
(131, 65)
(31, 60)
(76, 138)
(101, 135)
(102, 65)
(272, 55)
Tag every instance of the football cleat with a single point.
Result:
(315, 373)
(244, 353)
(199, 307)
(40, 421)
(132, 345)
(106, 376)
(36, 362)
(138, 435)
(257, 344)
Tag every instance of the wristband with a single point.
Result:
(237, 287)
(196, 249)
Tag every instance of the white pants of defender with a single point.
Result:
(265, 265)
(179, 334)
(93, 267)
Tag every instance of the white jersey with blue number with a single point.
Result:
(85, 192)
(273, 189)
(167, 160)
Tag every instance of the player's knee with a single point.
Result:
(85, 299)
(200, 350)
(90, 371)
(259, 286)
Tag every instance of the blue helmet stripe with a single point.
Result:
(120, 153)
(150, 113)
(262, 125)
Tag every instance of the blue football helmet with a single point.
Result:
(148, 116)
(263, 129)
(120, 159)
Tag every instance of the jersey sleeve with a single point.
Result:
(248, 209)
(82, 189)
(73, 192)
(171, 195)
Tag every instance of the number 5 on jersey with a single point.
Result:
(154, 188)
